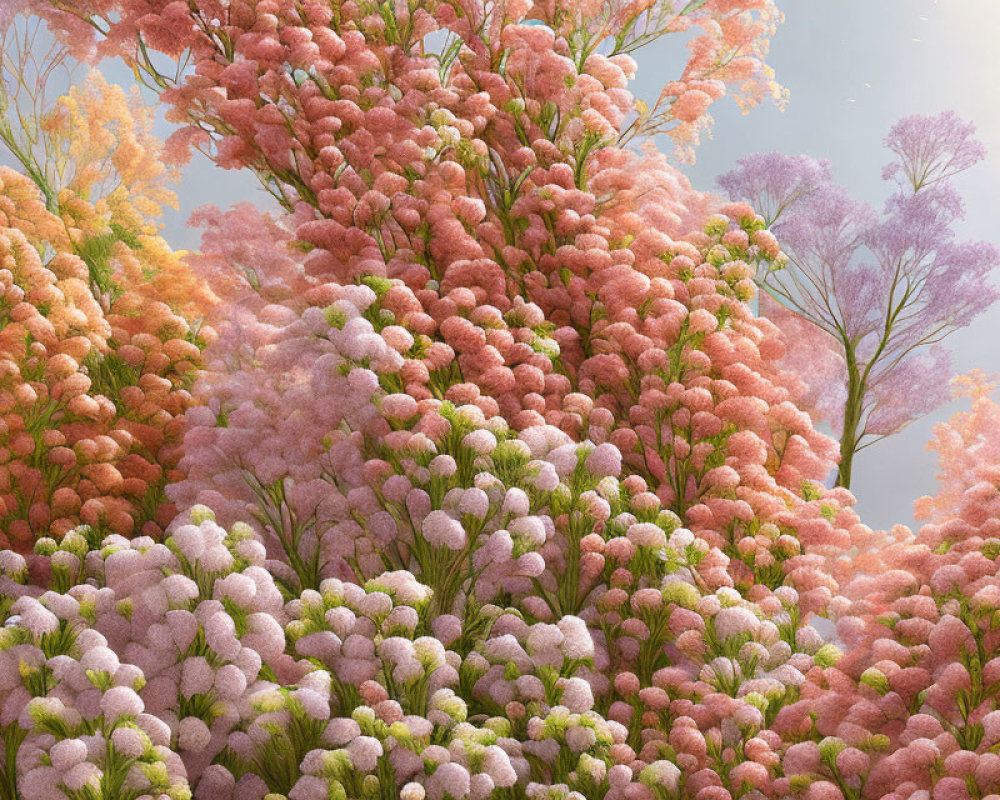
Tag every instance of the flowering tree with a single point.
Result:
(96, 354)
(450, 493)
(911, 709)
(879, 292)
(967, 448)
(727, 53)
(487, 370)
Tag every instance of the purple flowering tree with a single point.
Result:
(878, 291)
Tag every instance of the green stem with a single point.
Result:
(856, 386)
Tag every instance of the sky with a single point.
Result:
(853, 67)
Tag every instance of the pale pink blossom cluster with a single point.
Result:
(74, 722)
(178, 651)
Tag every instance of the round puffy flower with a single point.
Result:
(412, 791)
(341, 730)
(516, 502)
(67, 753)
(662, 774)
(190, 540)
(482, 441)
(441, 530)
(577, 695)
(447, 628)
(735, 621)
(100, 659)
(476, 502)
(121, 701)
(197, 676)
(34, 616)
(604, 461)
(193, 734)
(129, 741)
(365, 752)
(84, 774)
(577, 641)
(530, 529)
(546, 478)
(443, 466)
(449, 778)
(852, 762)
(645, 534)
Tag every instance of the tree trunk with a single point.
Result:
(852, 418)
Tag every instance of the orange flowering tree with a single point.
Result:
(101, 317)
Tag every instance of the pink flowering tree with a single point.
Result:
(873, 295)
(911, 709)
(728, 45)
(462, 441)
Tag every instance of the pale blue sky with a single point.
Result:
(853, 67)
